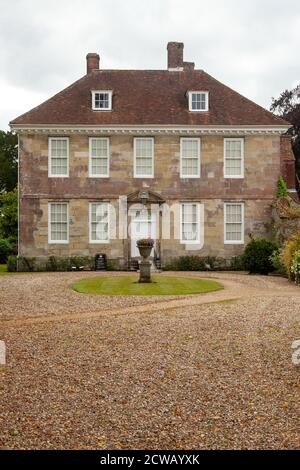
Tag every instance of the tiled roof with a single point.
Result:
(142, 97)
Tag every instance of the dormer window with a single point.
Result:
(102, 100)
(198, 101)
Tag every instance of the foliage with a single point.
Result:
(145, 242)
(55, 263)
(257, 256)
(161, 285)
(288, 252)
(237, 263)
(8, 161)
(277, 262)
(295, 268)
(288, 107)
(9, 215)
(6, 249)
(26, 264)
(12, 264)
(191, 263)
(282, 190)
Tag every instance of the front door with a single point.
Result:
(143, 225)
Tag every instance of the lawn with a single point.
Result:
(161, 285)
(3, 269)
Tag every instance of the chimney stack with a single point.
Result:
(92, 62)
(175, 55)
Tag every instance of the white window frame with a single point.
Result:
(99, 242)
(57, 242)
(190, 94)
(98, 175)
(109, 92)
(50, 157)
(234, 139)
(190, 242)
(234, 242)
(134, 157)
(182, 158)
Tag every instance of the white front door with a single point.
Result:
(143, 225)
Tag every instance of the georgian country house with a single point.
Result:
(125, 154)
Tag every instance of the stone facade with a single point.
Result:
(256, 190)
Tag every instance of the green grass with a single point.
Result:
(3, 269)
(162, 285)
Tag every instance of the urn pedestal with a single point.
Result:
(145, 271)
(145, 264)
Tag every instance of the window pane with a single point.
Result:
(59, 222)
(99, 157)
(144, 157)
(233, 158)
(59, 157)
(199, 101)
(190, 157)
(234, 222)
(99, 222)
(102, 100)
(189, 222)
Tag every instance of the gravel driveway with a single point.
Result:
(204, 371)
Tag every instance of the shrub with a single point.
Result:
(295, 268)
(192, 263)
(25, 264)
(288, 251)
(12, 264)
(257, 254)
(69, 262)
(282, 190)
(277, 262)
(237, 263)
(6, 249)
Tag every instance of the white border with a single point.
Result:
(234, 242)
(199, 158)
(235, 139)
(109, 92)
(206, 93)
(92, 175)
(98, 242)
(50, 157)
(57, 242)
(134, 157)
(190, 242)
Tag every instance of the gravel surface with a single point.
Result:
(199, 372)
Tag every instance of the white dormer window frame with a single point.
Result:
(106, 100)
(197, 97)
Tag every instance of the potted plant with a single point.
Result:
(145, 246)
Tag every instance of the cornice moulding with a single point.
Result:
(148, 130)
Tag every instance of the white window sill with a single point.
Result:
(98, 176)
(58, 176)
(234, 177)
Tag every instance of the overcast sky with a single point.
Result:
(251, 45)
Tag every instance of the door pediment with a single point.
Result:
(152, 197)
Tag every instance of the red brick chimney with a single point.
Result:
(175, 55)
(92, 62)
(287, 162)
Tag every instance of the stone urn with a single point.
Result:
(145, 247)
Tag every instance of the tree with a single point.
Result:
(9, 215)
(8, 161)
(288, 107)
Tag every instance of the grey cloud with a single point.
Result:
(251, 46)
